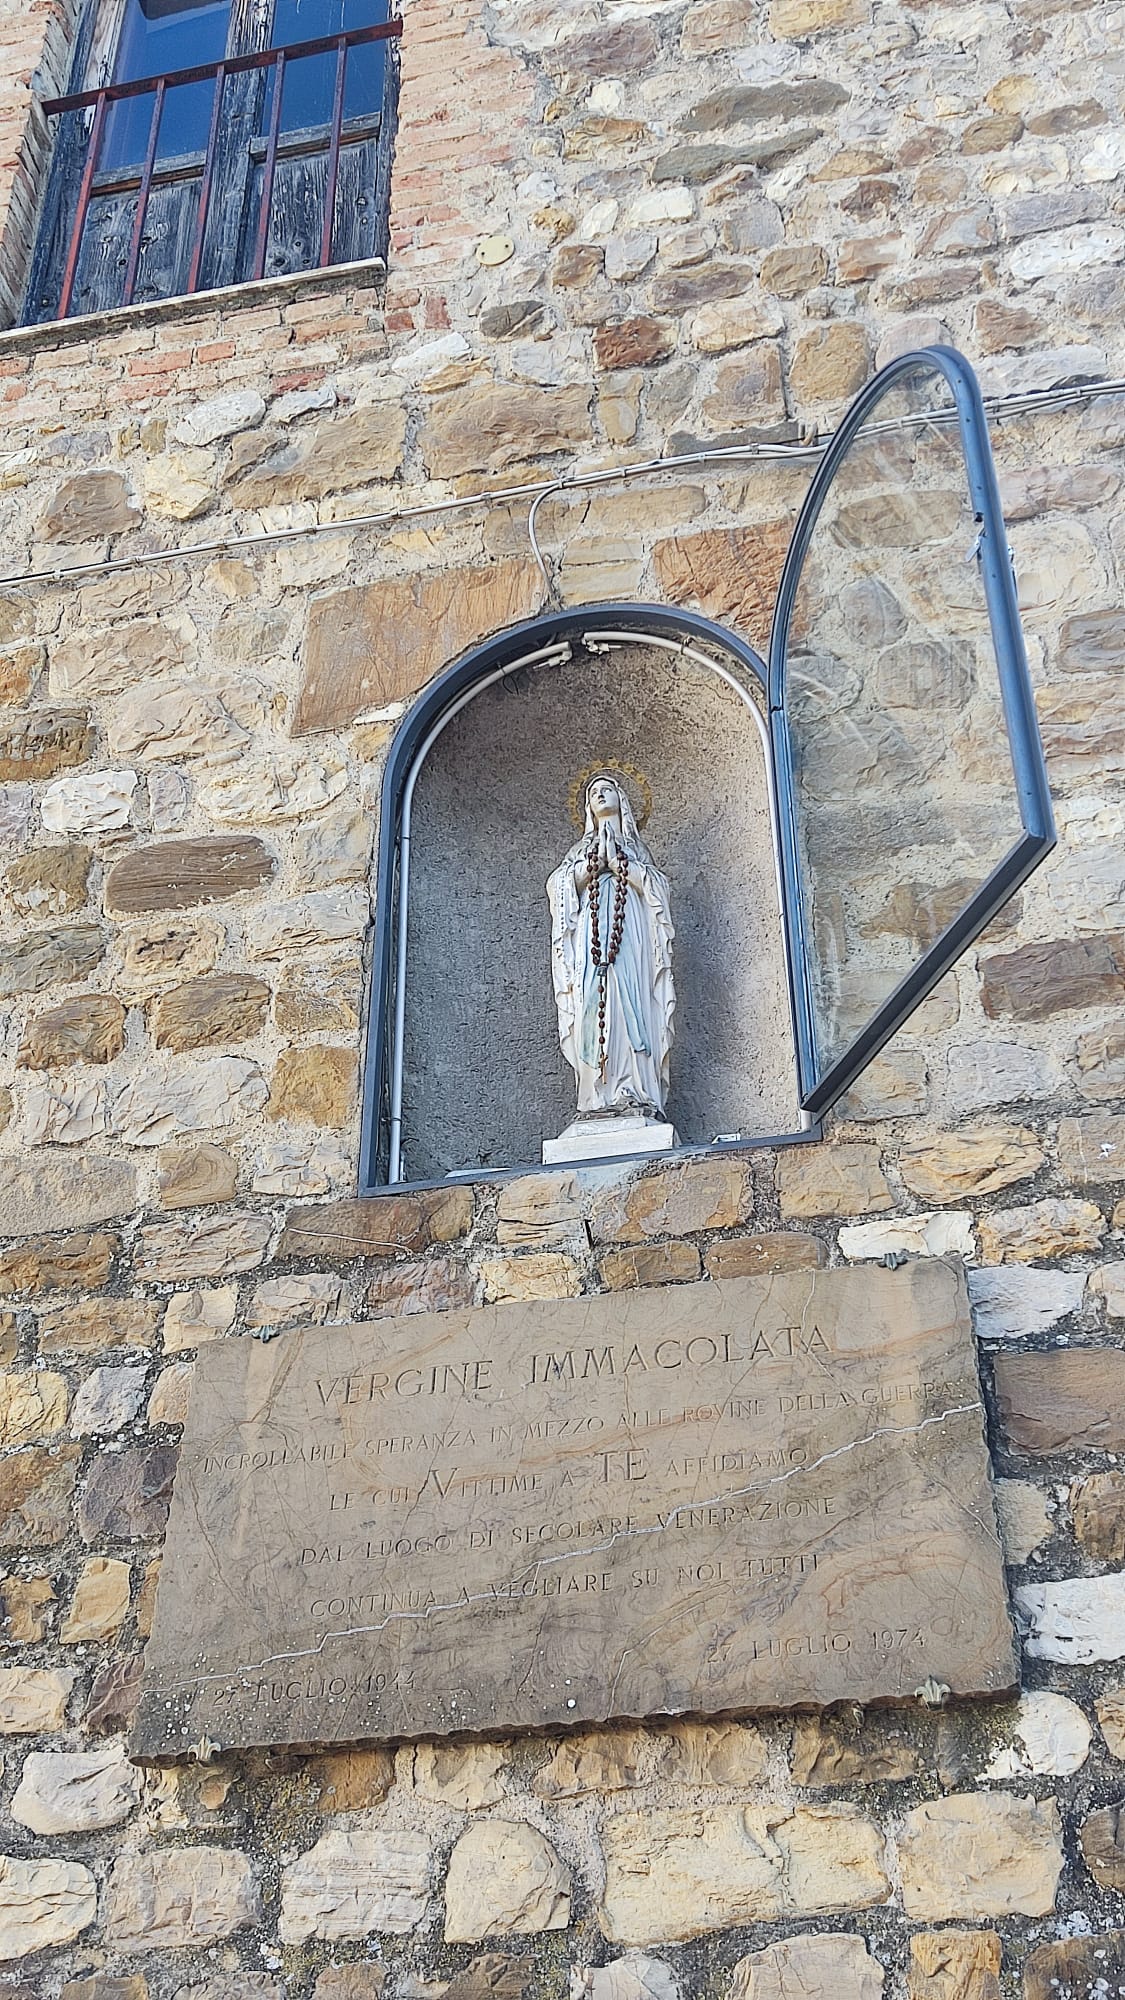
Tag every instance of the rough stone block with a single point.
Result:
(97, 1324)
(1057, 1226)
(491, 428)
(375, 644)
(954, 1965)
(114, 1694)
(831, 363)
(43, 1904)
(351, 1228)
(24, 1602)
(1078, 1968)
(314, 1086)
(1051, 1738)
(171, 1395)
(980, 1855)
(1101, 1062)
(814, 1967)
(50, 958)
(352, 1883)
(504, 1880)
(194, 1176)
(89, 505)
(1091, 1150)
(51, 881)
(831, 1180)
(1023, 1516)
(671, 1201)
(109, 1398)
(537, 1274)
(1072, 1399)
(310, 923)
(780, 1250)
(100, 1604)
(1011, 1303)
(650, 1264)
(36, 1489)
(357, 449)
(827, 1751)
(171, 1897)
(672, 1875)
(431, 1284)
(796, 20)
(1102, 1835)
(893, 1086)
(933, 1235)
(324, 1006)
(1040, 980)
(127, 1493)
(75, 1792)
(47, 1264)
(1097, 1505)
(988, 1073)
(192, 1318)
(88, 1028)
(1077, 1621)
(352, 1780)
(208, 1247)
(211, 1093)
(33, 1699)
(32, 1405)
(980, 1159)
(731, 574)
(44, 740)
(623, 343)
(597, 1761)
(203, 1013)
(178, 874)
(1111, 1715)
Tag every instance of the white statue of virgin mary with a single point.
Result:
(611, 948)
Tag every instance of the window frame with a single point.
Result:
(225, 167)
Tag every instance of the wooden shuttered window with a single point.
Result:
(208, 143)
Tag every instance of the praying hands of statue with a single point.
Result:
(606, 855)
(609, 854)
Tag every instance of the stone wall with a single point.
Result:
(720, 215)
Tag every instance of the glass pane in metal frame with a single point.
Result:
(157, 37)
(912, 791)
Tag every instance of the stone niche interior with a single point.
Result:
(484, 1078)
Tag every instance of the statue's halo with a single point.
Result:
(613, 767)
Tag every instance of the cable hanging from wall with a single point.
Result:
(1000, 409)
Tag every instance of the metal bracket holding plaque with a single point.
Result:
(716, 1499)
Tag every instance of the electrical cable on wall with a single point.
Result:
(1000, 409)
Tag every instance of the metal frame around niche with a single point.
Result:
(548, 638)
(818, 1089)
(551, 637)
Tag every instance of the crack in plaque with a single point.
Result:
(540, 1563)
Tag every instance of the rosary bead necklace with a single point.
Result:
(617, 929)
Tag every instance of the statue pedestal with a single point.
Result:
(608, 1138)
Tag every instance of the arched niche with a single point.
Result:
(464, 1062)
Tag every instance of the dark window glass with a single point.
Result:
(310, 83)
(158, 36)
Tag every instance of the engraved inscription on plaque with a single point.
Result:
(720, 1498)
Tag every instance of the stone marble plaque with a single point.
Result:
(720, 1497)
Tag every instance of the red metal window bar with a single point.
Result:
(218, 73)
